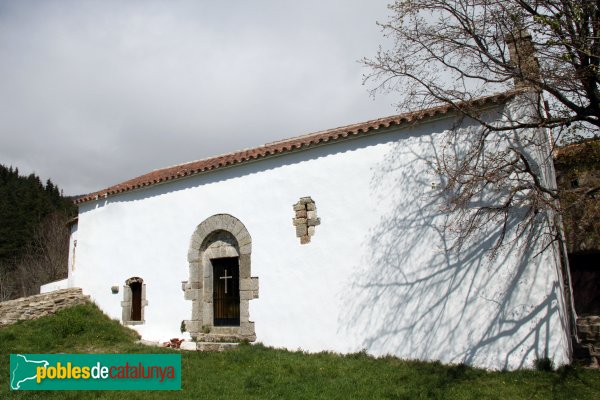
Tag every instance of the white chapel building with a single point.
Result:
(324, 242)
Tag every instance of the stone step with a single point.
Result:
(590, 319)
(208, 346)
(218, 338)
(586, 354)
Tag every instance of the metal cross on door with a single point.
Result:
(225, 277)
(226, 291)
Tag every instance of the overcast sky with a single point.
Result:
(96, 92)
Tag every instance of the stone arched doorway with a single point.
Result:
(218, 243)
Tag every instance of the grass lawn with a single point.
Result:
(257, 372)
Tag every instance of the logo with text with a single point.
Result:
(95, 372)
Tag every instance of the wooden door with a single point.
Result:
(136, 301)
(226, 291)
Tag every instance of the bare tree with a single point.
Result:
(6, 284)
(454, 51)
(450, 51)
(46, 256)
(545, 55)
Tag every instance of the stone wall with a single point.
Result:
(578, 177)
(588, 349)
(305, 219)
(39, 305)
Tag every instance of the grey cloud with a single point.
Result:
(96, 92)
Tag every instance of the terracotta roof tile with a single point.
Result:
(282, 146)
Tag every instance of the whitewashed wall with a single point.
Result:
(72, 254)
(54, 286)
(375, 275)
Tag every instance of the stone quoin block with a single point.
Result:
(245, 269)
(195, 285)
(305, 211)
(313, 222)
(299, 207)
(301, 230)
(299, 221)
(196, 311)
(193, 326)
(247, 328)
(244, 311)
(249, 284)
(193, 255)
(192, 294)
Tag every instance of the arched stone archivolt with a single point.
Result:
(219, 236)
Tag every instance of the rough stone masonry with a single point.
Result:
(40, 305)
(588, 349)
(305, 219)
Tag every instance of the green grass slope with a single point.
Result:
(257, 372)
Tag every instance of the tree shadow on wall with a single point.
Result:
(414, 297)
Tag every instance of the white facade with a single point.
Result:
(53, 286)
(375, 275)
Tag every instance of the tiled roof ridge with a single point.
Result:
(284, 146)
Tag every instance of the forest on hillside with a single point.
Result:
(34, 236)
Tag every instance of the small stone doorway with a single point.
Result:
(226, 291)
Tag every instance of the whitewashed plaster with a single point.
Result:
(375, 275)
(71, 263)
(54, 286)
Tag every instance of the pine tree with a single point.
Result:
(24, 203)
